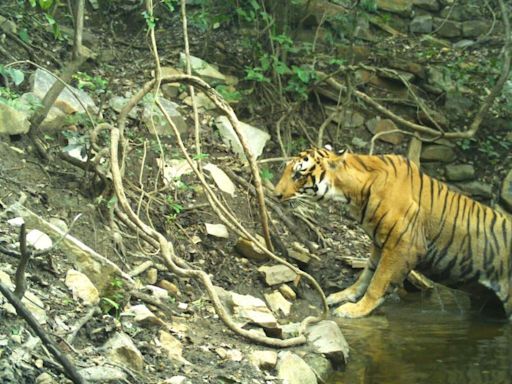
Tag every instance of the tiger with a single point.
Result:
(414, 222)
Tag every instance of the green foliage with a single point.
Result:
(266, 174)
(150, 20)
(228, 93)
(114, 298)
(12, 74)
(200, 156)
(175, 208)
(96, 84)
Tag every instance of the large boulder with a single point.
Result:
(12, 121)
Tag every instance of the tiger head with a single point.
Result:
(310, 174)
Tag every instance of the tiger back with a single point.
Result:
(414, 221)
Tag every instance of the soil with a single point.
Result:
(60, 190)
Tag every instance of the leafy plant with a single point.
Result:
(95, 84)
(12, 74)
(266, 174)
(113, 300)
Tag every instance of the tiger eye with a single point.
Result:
(305, 158)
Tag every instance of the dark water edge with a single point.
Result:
(434, 339)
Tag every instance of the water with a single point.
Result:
(427, 340)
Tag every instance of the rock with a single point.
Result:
(379, 126)
(401, 7)
(121, 349)
(277, 274)
(152, 276)
(103, 374)
(172, 347)
(447, 28)
(156, 122)
(278, 304)
(217, 230)
(326, 338)
(39, 240)
(117, 103)
(464, 43)
(45, 378)
(320, 365)
(202, 101)
(457, 105)
(8, 26)
(13, 122)
(437, 152)
(170, 90)
(475, 28)
(429, 5)
(459, 172)
(434, 115)
(176, 380)
(229, 354)
(202, 69)
(142, 315)
(440, 78)
(506, 191)
(348, 118)
(169, 287)
(247, 308)
(301, 256)
(55, 120)
(67, 101)
(222, 180)
(287, 292)
(82, 287)
(461, 12)
(255, 137)
(421, 24)
(247, 249)
(476, 189)
(158, 293)
(266, 360)
(290, 330)
(291, 369)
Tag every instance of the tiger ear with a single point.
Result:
(329, 147)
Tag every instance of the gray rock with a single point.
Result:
(326, 338)
(156, 122)
(290, 330)
(249, 250)
(459, 172)
(380, 126)
(266, 360)
(462, 12)
(437, 152)
(476, 189)
(255, 137)
(506, 191)
(70, 99)
(475, 28)
(401, 7)
(8, 26)
(117, 103)
(202, 69)
(429, 5)
(464, 43)
(12, 121)
(277, 274)
(447, 28)
(278, 304)
(457, 105)
(320, 365)
(54, 121)
(440, 79)
(103, 374)
(291, 369)
(421, 24)
(121, 349)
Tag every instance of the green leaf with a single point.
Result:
(23, 34)
(45, 4)
(17, 76)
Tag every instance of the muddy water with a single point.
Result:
(435, 339)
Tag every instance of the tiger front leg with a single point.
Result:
(392, 269)
(356, 290)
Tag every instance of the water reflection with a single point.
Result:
(427, 340)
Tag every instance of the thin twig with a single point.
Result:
(21, 283)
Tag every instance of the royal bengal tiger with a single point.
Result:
(414, 221)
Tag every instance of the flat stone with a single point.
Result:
(12, 121)
(103, 374)
(247, 249)
(278, 304)
(440, 78)
(475, 28)
(506, 191)
(70, 99)
(290, 330)
(320, 365)
(266, 360)
(431, 117)
(447, 28)
(326, 338)
(459, 172)
(202, 69)
(380, 126)
(401, 7)
(156, 122)
(287, 292)
(82, 287)
(429, 5)
(121, 349)
(476, 189)
(256, 138)
(347, 117)
(172, 348)
(462, 12)
(421, 24)
(171, 288)
(436, 152)
(117, 103)
(277, 274)
(142, 315)
(291, 369)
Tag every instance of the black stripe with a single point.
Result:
(362, 163)
(392, 161)
(377, 227)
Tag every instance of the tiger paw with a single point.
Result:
(351, 311)
(340, 297)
